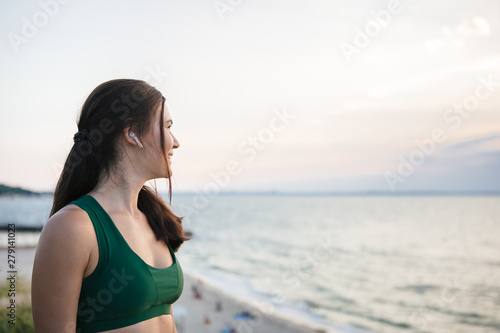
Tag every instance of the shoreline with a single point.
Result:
(268, 318)
(216, 311)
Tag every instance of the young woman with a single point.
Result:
(105, 260)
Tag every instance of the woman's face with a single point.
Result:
(171, 143)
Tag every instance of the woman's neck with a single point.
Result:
(119, 195)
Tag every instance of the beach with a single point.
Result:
(202, 314)
(202, 308)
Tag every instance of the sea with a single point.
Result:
(353, 263)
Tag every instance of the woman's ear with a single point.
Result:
(126, 135)
(130, 137)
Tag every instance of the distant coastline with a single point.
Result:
(17, 191)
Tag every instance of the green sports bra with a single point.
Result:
(123, 289)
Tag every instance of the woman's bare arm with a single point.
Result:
(61, 258)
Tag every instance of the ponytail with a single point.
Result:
(164, 223)
(79, 176)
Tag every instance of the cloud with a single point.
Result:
(474, 26)
(468, 165)
(473, 145)
(456, 36)
(434, 76)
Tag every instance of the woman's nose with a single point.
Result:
(176, 142)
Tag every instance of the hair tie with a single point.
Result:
(79, 136)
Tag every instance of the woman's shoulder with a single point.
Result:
(70, 212)
(71, 222)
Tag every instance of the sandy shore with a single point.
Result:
(214, 312)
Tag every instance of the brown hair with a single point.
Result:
(111, 107)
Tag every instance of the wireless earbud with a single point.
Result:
(132, 135)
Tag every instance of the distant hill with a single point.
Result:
(7, 190)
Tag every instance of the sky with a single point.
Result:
(283, 95)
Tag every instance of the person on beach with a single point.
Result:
(105, 259)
